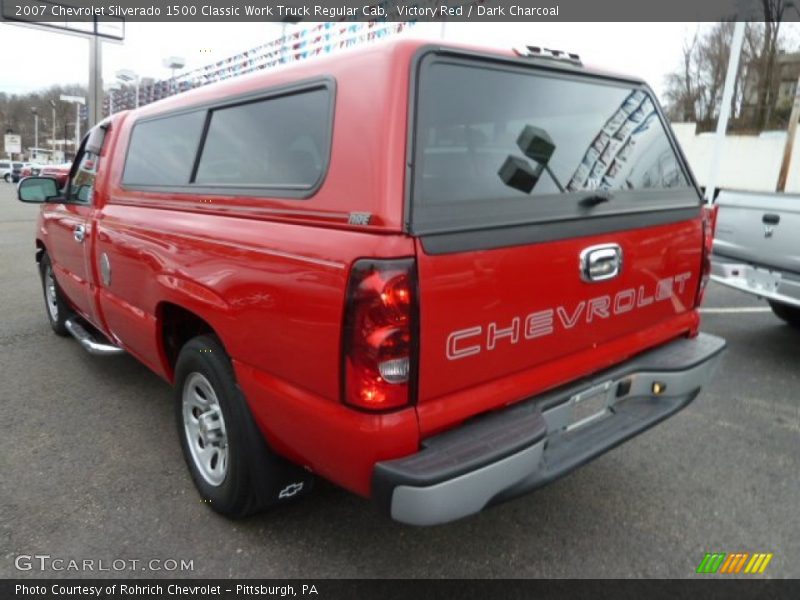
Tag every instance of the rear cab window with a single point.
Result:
(595, 147)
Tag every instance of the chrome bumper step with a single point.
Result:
(88, 342)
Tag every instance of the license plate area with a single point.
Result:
(760, 279)
(590, 405)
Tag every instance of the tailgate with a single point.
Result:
(558, 230)
(490, 317)
(759, 228)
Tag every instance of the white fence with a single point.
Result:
(749, 162)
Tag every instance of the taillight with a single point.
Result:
(709, 227)
(380, 334)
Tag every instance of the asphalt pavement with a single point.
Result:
(91, 469)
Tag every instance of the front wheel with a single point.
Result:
(58, 310)
(231, 465)
(7, 177)
(786, 312)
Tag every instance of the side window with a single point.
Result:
(279, 142)
(162, 151)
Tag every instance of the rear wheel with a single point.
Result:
(790, 314)
(58, 310)
(7, 177)
(230, 463)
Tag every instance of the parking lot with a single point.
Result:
(90, 468)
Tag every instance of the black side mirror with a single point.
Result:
(37, 189)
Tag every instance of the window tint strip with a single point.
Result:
(200, 146)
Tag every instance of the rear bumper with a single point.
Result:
(510, 452)
(764, 282)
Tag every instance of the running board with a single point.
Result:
(88, 342)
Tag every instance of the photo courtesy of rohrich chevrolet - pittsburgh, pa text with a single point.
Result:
(336, 299)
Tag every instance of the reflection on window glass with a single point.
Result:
(162, 151)
(604, 137)
(81, 185)
(279, 142)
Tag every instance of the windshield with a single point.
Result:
(497, 144)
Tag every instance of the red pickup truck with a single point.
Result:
(437, 276)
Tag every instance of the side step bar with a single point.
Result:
(88, 342)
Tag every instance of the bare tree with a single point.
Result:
(681, 94)
(694, 90)
(773, 13)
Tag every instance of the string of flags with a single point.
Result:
(320, 39)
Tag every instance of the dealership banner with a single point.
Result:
(65, 11)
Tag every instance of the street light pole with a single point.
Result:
(173, 63)
(77, 100)
(128, 76)
(77, 125)
(53, 141)
(35, 132)
(111, 90)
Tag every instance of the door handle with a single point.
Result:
(79, 233)
(771, 219)
(599, 263)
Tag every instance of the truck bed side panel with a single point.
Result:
(759, 228)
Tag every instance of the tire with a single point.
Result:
(7, 177)
(230, 463)
(56, 307)
(790, 314)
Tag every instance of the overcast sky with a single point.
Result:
(32, 59)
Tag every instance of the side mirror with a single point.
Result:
(37, 189)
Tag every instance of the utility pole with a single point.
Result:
(791, 133)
